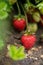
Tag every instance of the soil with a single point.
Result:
(34, 56)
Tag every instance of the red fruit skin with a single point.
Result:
(19, 24)
(28, 41)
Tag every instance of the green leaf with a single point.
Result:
(4, 9)
(40, 5)
(12, 50)
(8, 8)
(3, 6)
(16, 53)
(3, 15)
(20, 53)
(37, 1)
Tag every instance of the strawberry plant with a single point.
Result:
(19, 22)
(28, 39)
(33, 11)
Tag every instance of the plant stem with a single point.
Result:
(18, 8)
(26, 19)
(28, 2)
(41, 20)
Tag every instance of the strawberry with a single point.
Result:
(33, 27)
(28, 41)
(36, 16)
(19, 23)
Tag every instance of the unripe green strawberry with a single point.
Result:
(36, 16)
(33, 27)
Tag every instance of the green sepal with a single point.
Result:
(19, 16)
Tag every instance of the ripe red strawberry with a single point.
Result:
(19, 23)
(28, 41)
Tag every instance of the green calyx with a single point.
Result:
(16, 53)
(19, 17)
(27, 32)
